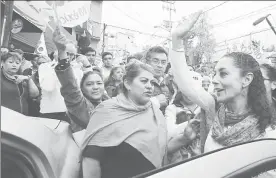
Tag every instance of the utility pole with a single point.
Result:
(169, 6)
(104, 28)
(7, 24)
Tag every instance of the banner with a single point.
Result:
(73, 13)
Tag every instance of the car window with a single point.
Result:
(15, 166)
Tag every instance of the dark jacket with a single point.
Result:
(79, 108)
(163, 88)
(113, 90)
(14, 96)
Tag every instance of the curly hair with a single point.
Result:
(6, 56)
(257, 98)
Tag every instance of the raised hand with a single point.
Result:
(182, 30)
(83, 60)
(186, 25)
(20, 78)
(191, 130)
(59, 40)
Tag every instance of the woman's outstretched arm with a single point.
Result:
(180, 70)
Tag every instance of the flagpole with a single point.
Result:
(56, 16)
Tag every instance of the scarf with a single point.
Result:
(12, 78)
(243, 128)
(119, 120)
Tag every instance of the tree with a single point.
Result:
(201, 42)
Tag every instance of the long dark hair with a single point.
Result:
(95, 70)
(110, 80)
(257, 98)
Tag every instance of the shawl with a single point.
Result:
(242, 128)
(119, 120)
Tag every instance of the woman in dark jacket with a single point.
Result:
(15, 89)
(80, 99)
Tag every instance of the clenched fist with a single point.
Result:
(59, 40)
(192, 130)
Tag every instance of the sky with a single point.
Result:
(144, 15)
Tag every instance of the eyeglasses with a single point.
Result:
(109, 58)
(90, 55)
(70, 54)
(156, 62)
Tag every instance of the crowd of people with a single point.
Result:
(142, 110)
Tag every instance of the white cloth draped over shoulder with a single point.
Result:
(51, 98)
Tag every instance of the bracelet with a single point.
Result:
(179, 50)
(65, 59)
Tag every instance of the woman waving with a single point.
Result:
(239, 111)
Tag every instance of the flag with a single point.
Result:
(41, 46)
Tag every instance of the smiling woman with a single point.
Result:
(240, 110)
(80, 99)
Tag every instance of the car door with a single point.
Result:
(20, 159)
(239, 161)
(40, 147)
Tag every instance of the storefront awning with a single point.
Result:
(30, 14)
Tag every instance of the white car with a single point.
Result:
(246, 160)
(37, 147)
(45, 148)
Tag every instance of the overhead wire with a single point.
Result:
(153, 34)
(233, 19)
(135, 31)
(264, 30)
(127, 14)
(212, 8)
(151, 37)
(243, 16)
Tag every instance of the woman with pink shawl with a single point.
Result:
(127, 135)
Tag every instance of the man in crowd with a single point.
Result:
(272, 59)
(108, 60)
(90, 53)
(206, 82)
(157, 57)
(71, 51)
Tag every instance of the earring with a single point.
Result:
(243, 92)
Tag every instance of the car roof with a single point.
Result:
(39, 132)
(32, 124)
